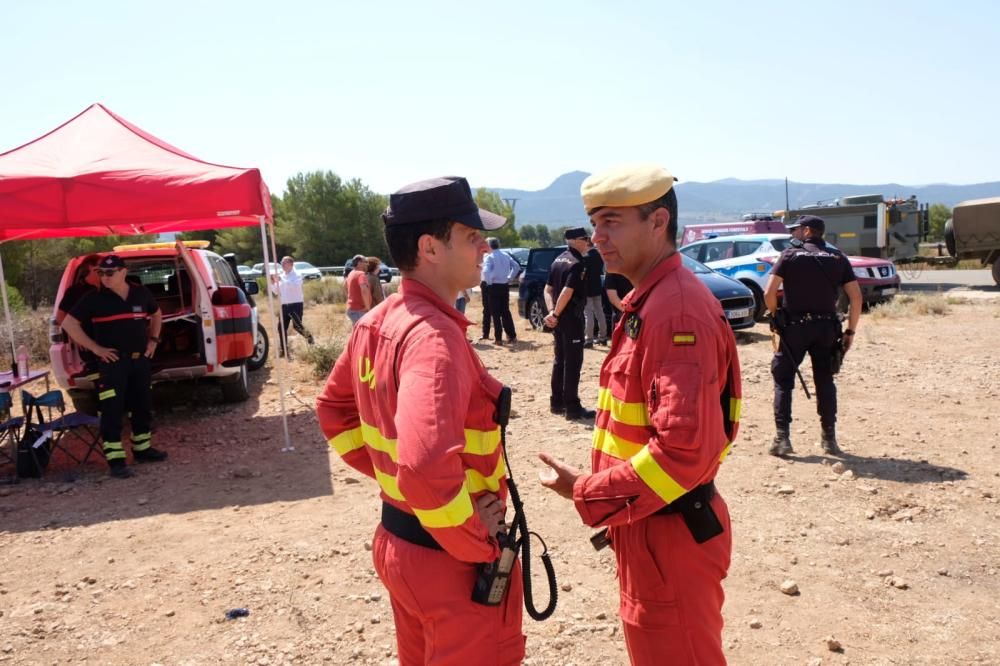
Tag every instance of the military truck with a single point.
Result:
(973, 232)
(869, 225)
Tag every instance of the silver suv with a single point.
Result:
(210, 323)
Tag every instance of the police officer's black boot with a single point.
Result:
(782, 444)
(149, 455)
(829, 441)
(119, 469)
(579, 413)
(557, 407)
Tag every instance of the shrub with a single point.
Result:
(322, 356)
(327, 290)
(908, 305)
(31, 329)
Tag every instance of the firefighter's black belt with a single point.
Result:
(407, 527)
(696, 509)
(806, 317)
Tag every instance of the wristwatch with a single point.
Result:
(849, 332)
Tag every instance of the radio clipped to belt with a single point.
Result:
(494, 577)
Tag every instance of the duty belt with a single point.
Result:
(696, 509)
(812, 316)
(407, 527)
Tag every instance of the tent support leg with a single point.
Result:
(277, 322)
(6, 310)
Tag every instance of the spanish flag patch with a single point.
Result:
(684, 338)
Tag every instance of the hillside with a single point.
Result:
(559, 203)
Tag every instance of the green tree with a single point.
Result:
(939, 214)
(528, 233)
(544, 235)
(324, 220)
(491, 201)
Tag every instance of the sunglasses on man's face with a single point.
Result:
(107, 272)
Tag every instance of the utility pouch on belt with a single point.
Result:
(696, 509)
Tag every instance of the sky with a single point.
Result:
(514, 94)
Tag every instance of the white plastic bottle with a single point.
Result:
(22, 361)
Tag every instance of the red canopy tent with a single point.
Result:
(98, 174)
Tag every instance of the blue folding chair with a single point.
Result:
(82, 427)
(10, 430)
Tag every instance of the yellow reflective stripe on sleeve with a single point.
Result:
(481, 442)
(614, 446)
(347, 441)
(388, 484)
(735, 407)
(629, 413)
(476, 482)
(655, 477)
(377, 441)
(452, 514)
(726, 451)
(105, 395)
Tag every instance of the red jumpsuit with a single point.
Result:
(410, 404)
(668, 411)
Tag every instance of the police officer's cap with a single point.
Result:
(575, 232)
(631, 185)
(446, 198)
(111, 261)
(809, 221)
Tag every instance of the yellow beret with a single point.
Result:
(631, 185)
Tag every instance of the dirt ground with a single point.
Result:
(894, 551)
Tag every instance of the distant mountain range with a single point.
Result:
(724, 200)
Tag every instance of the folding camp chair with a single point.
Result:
(10, 430)
(80, 426)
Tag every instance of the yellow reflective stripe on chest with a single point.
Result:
(629, 413)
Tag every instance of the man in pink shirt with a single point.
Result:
(359, 298)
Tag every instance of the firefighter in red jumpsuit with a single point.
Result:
(668, 411)
(410, 404)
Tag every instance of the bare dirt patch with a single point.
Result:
(893, 549)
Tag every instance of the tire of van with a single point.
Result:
(996, 270)
(758, 299)
(536, 312)
(235, 388)
(260, 351)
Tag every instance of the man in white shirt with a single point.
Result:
(289, 289)
(498, 270)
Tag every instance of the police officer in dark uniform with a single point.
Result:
(812, 273)
(125, 322)
(566, 295)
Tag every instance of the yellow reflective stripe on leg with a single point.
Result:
(114, 451)
(735, 407)
(452, 514)
(105, 395)
(615, 446)
(140, 446)
(388, 484)
(629, 413)
(476, 482)
(347, 441)
(656, 477)
(142, 437)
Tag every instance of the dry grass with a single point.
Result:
(31, 329)
(909, 305)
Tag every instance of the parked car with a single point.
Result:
(247, 273)
(307, 270)
(749, 258)
(210, 324)
(385, 273)
(737, 300)
(275, 268)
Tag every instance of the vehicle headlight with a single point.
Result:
(861, 272)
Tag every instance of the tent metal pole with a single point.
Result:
(277, 323)
(6, 309)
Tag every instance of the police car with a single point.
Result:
(748, 258)
(210, 325)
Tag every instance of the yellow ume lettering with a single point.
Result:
(366, 371)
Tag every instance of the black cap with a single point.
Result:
(111, 261)
(446, 198)
(810, 221)
(576, 232)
